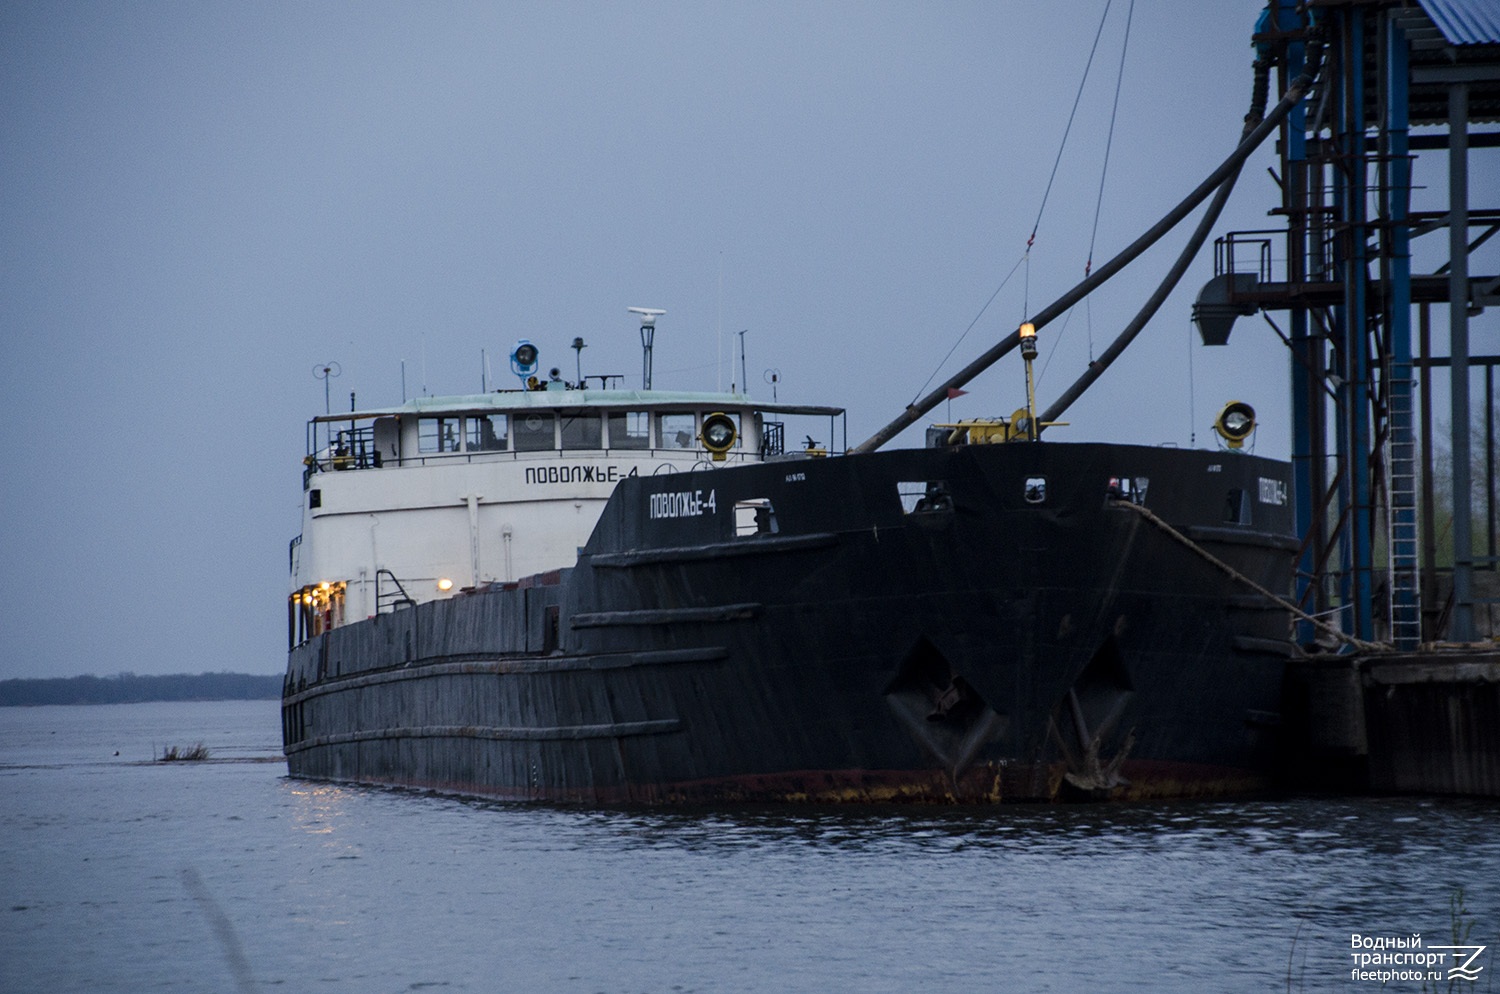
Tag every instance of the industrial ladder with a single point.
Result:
(1401, 513)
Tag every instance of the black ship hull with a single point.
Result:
(968, 624)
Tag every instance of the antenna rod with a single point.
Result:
(648, 336)
(325, 371)
(744, 376)
(1127, 255)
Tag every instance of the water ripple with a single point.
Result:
(336, 888)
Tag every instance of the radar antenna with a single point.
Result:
(648, 317)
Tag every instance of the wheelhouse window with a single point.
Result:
(678, 431)
(533, 431)
(438, 434)
(487, 432)
(630, 430)
(582, 430)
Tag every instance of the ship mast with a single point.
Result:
(648, 317)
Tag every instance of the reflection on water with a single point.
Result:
(348, 889)
(318, 806)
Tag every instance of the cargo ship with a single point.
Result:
(608, 596)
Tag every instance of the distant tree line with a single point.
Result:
(128, 688)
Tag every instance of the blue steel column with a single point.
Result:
(1338, 328)
(1403, 537)
(1306, 357)
(1353, 445)
(1458, 329)
(1356, 457)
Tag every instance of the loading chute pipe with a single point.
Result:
(1228, 168)
(1158, 297)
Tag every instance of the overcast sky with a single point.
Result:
(199, 202)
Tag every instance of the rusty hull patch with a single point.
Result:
(984, 784)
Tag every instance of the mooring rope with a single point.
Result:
(1235, 574)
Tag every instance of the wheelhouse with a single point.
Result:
(445, 494)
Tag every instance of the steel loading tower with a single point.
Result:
(1341, 285)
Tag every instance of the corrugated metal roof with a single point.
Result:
(1466, 22)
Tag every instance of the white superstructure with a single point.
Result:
(440, 494)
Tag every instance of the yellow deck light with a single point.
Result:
(718, 434)
(1235, 423)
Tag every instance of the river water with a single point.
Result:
(120, 874)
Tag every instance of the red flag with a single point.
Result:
(955, 392)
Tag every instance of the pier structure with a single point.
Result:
(1378, 284)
